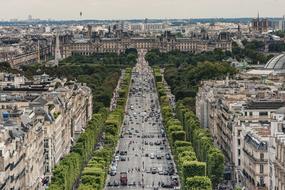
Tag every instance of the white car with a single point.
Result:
(151, 156)
(117, 158)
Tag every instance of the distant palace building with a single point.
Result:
(165, 43)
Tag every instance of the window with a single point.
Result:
(239, 152)
(245, 113)
(261, 181)
(239, 162)
(239, 132)
(261, 168)
(263, 113)
(261, 156)
(239, 142)
(46, 145)
(250, 113)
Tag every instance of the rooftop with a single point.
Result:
(265, 104)
(277, 62)
(254, 138)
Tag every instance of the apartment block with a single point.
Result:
(241, 116)
(40, 120)
(255, 157)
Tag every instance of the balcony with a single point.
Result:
(255, 160)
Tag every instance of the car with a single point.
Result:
(167, 185)
(158, 156)
(165, 172)
(114, 163)
(153, 170)
(161, 148)
(157, 143)
(113, 173)
(116, 183)
(146, 155)
(171, 172)
(167, 156)
(151, 156)
(123, 158)
(174, 180)
(122, 153)
(117, 158)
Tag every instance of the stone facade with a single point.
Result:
(255, 157)
(165, 43)
(231, 109)
(38, 127)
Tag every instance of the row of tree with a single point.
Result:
(69, 168)
(184, 80)
(202, 143)
(128, 57)
(178, 58)
(184, 71)
(94, 174)
(192, 172)
(254, 50)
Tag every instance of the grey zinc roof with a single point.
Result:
(281, 110)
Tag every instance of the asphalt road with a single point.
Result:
(143, 151)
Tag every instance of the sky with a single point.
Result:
(131, 9)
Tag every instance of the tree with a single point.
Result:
(198, 183)
(178, 136)
(193, 168)
(203, 144)
(215, 166)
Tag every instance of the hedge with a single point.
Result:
(68, 169)
(184, 155)
(95, 173)
(193, 168)
(198, 183)
(202, 144)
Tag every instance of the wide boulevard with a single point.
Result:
(143, 158)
